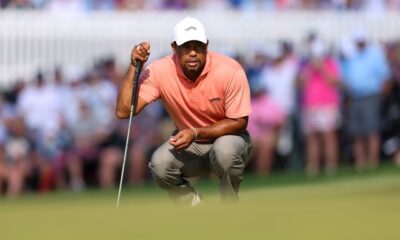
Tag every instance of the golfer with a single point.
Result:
(207, 96)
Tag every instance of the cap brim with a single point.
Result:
(179, 42)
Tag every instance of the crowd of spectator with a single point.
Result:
(242, 5)
(318, 109)
(57, 134)
(336, 104)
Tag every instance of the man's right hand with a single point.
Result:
(183, 138)
(140, 52)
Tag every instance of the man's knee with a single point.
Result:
(161, 161)
(230, 153)
(224, 157)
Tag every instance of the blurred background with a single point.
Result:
(324, 76)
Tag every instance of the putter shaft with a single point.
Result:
(125, 153)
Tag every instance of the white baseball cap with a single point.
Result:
(317, 48)
(360, 35)
(189, 29)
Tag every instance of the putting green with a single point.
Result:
(356, 208)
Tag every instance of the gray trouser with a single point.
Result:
(226, 157)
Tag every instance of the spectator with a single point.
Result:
(391, 105)
(96, 127)
(15, 164)
(66, 6)
(364, 76)
(64, 160)
(319, 80)
(101, 5)
(178, 4)
(265, 123)
(37, 103)
(279, 79)
(256, 64)
(19, 4)
(38, 106)
(87, 135)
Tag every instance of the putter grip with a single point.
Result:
(136, 84)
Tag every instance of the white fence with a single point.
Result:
(32, 40)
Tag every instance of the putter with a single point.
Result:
(133, 108)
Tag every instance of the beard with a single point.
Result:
(193, 72)
(192, 67)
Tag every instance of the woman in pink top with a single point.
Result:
(319, 79)
(265, 124)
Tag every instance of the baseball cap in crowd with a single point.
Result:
(189, 29)
(317, 48)
(359, 35)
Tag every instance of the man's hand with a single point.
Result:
(140, 52)
(183, 139)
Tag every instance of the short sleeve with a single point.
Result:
(149, 87)
(237, 96)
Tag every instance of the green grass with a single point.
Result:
(284, 206)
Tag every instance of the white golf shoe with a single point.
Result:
(196, 201)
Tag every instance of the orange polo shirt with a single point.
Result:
(221, 91)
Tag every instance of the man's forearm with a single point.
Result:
(223, 127)
(125, 94)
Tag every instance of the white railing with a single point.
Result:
(32, 40)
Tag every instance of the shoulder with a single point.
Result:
(162, 64)
(378, 51)
(224, 63)
(158, 68)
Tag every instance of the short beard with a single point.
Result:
(193, 74)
